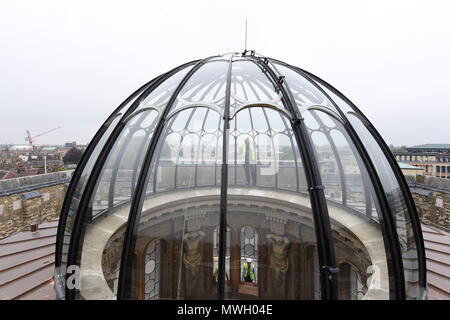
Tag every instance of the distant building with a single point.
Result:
(48, 149)
(410, 170)
(20, 149)
(433, 158)
(69, 145)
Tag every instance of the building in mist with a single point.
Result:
(433, 158)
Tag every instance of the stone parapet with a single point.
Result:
(34, 198)
(432, 198)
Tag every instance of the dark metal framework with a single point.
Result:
(417, 230)
(78, 208)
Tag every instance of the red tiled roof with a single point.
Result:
(27, 264)
(437, 252)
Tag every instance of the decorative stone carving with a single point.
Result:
(278, 265)
(192, 260)
(192, 257)
(278, 260)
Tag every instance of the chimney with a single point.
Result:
(34, 226)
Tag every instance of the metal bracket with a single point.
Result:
(332, 272)
(297, 121)
(318, 187)
(281, 79)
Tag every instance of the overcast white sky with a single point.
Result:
(71, 63)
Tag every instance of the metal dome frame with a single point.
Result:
(104, 140)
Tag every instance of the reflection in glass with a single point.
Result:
(171, 210)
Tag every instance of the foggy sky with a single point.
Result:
(71, 63)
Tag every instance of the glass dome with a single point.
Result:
(238, 177)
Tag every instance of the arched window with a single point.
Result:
(152, 270)
(249, 248)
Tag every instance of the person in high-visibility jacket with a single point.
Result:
(216, 271)
(248, 158)
(248, 271)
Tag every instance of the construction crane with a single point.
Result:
(30, 139)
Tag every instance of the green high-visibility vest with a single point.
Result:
(252, 271)
(217, 273)
(244, 150)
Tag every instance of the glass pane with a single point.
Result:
(128, 168)
(398, 208)
(183, 211)
(328, 166)
(272, 231)
(207, 85)
(303, 91)
(357, 193)
(249, 85)
(357, 235)
(395, 197)
(161, 95)
(79, 189)
(104, 223)
(290, 174)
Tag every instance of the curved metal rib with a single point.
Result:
(363, 119)
(261, 104)
(196, 105)
(140, 111)
(107, 123)
(326, 110)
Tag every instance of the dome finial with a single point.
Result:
(245, 45)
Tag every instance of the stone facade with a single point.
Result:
(21, 206)
(432, 198)
(433, 164)
(112, 255)
(434, 209)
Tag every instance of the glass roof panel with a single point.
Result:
(304, 92)
(206, 86)
(161, 95)
(397, 203)
(249, 85)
